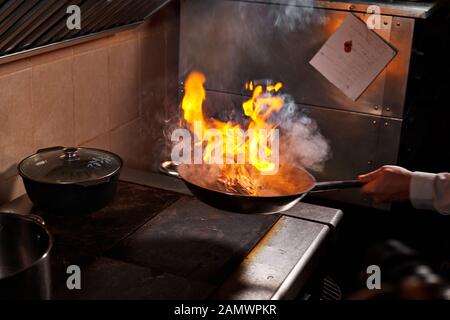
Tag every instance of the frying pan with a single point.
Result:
(276, 193)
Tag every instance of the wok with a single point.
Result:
(276, 193)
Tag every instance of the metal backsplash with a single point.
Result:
(29, 27)
(233, 42)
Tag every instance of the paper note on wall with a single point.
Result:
(353, 57)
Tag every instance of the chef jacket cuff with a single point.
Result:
(421, 190)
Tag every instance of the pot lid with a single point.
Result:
(70, 165)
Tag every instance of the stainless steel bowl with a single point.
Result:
(25, 246)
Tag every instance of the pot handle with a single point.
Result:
(34, 218)
(337, 185)
(169, 168)
(50, 149)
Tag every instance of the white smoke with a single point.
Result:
(301, 141)
(290, 15)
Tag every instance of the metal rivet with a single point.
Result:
(388, 109)
(374, 122)
(385, 23)
(398, 24)
(369, 162)
(386, 124)
(375, 107)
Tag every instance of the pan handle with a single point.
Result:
(169, 168)
(337, 185)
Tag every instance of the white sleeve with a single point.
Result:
(430, 191)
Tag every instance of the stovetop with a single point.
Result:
(150, 244)
(156, 241)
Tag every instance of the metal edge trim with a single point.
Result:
(162, 5)
(391, 9)
(65, 43)
(288, 289)
(332, 224)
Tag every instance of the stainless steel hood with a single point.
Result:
(28, 27)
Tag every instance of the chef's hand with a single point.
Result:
(387, 184)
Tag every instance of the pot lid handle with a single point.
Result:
(70, 154)
(34, 218)
(169, 168)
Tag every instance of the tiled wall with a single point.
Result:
(113, 93)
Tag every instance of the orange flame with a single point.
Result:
(227, 143)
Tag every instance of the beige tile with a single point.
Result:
(124, 82)
(126, 35)
(53, 114)
(11, 189)
(92, 45)
(101, 142)
(172, 81)
(155, 145)
(126, 141)
(15, 66)
(172, 16)
(168, 17)
(52, 56)
(154, 107)
(16, 131)
(153, 64)
(91, 95)
(157, 126)
(154, 24)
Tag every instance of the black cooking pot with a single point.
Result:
(25, 246)
(71, 180)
